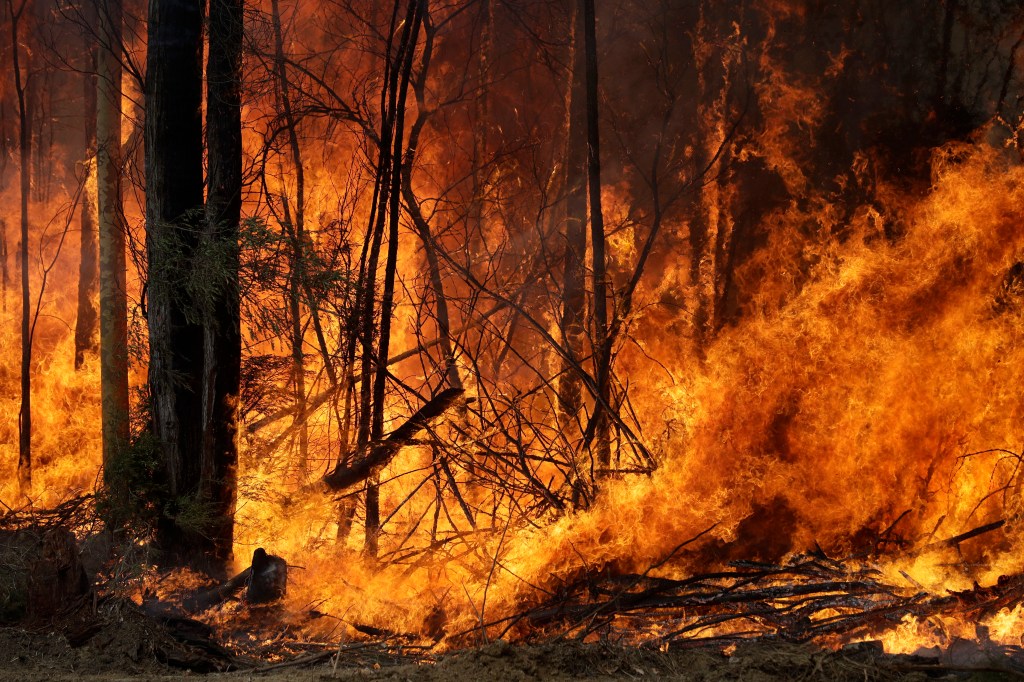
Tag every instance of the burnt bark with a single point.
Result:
(574, 301)
(383, 225)
(222, 332)
(21, 89)
(294, 224)
(87, 320)
(344, 476)
(600, 425)
(174, 202)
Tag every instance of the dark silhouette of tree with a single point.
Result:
(21, 89)
(174, 222)
(87, 319)
(222, 331)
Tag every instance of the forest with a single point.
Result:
(342, 334)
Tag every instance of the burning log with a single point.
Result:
(217, 595)
(346, 475)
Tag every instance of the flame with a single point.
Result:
(863, 399)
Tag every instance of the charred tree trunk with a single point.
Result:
(574, 294)
(86, 321)
(21, 87)
(222, 332)
(113, 292)
(407, 50)
(711, 230)
(174, 202)
(600, 423)
(5, 154)
(445, 342)
(942, 78)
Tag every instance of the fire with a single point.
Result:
(824, 352)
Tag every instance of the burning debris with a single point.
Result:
(663, 326)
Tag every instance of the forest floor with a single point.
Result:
(80, 635)
(131, 650)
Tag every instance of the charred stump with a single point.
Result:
(265, 581)
(268, 580)
(57, 581)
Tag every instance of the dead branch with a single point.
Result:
(380, 454)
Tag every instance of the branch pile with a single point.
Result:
(809, 598)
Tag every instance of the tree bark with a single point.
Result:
(222, 332)
(600, 423)
(574, 301)
(21, 87)
(86, 341)
(294, 222)
(174, 201)
(113, 292)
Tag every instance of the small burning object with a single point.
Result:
(268, 578)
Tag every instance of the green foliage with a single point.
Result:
(132, 498)
(193, 264)
(137, 501)
(269, 261)
(193, 515)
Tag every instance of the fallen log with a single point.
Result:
(265, 580)
(379, 454)
(217, 595)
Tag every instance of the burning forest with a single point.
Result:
(345, 333)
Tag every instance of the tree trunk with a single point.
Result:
(600, 423)
(223, 340)
(113, 293)
(445, 340)
(88, 275)
(25, 156)
(574, 292)
(174, 201)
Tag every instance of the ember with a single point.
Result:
(360, 333)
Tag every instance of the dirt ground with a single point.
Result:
(131, 652)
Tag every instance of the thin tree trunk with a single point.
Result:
(443, 318)
(222, 331)
(602, 348)
(368, 271)
(948, 21)
(574, 293)
(25, 156)
(5, 154)
(295, 223)
(87, 319)
(386, 213)
(113, 292)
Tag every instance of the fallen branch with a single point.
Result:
(345, 475)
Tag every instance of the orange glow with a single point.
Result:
(854, 386)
